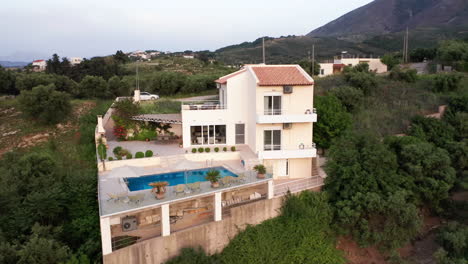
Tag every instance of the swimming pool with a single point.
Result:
(174, 178)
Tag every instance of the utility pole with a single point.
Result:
(263, 41)
(313, 59)
(407, 45)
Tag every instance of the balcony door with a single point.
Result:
(240, 134)
(272, 105)
(272, 139)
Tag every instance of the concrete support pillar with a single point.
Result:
(106, 238)
(218, 215)
(271, 190)
(165, 220)
(136, 96)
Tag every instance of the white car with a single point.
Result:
(144, 96)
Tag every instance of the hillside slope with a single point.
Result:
(387, 16)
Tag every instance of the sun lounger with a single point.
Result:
(226, 181)
(194, 186)
(136, 198)
(179, 189)
(116, 197)
(241, 178)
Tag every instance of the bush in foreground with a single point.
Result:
(139, 155)
(45, 103)
(149, 153)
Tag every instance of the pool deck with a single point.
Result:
(116, 186)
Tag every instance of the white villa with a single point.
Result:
(263, 114)
(337, 66)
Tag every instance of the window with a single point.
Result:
(240, 133)
(208, 135)
(322, 71)
(272, 139)
(272, 105)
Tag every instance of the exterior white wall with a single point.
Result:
(374, 64)
(327, 69)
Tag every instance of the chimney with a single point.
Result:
(136, 96)
(101, 129)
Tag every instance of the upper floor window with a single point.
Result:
(272, 105)
(272, 139)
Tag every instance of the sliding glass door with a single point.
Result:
(272, 105)
(208, 135)
(272, 139)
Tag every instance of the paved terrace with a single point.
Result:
(116, 186)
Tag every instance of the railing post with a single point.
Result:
(271, 189)
(106, 237)
(165, 220)
(218, 215)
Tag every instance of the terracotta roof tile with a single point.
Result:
(224, 79)
(279, 76)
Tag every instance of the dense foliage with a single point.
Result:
(301, 234)
(48, 200)
(45, 104)
(333, 120)
(453, 239)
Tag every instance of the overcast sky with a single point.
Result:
(86, 28)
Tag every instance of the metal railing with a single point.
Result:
(299, 185)
(203, 105)
(283, 111)
(288, 147)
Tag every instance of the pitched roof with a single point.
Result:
(38, 61)
(223, 80)
(281, 75)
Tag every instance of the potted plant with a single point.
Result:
(261, 170)
(180, 144)
(213, 176)
(159, 189)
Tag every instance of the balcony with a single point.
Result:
(288, 152)
(270, 116)
(202, 105)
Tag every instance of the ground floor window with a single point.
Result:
(208, 135)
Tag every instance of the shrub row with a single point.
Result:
(207, 150)
(120, 152)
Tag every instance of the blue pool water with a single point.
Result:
(174, 178)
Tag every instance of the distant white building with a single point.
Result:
(75, 60)
(39, 65)
(188, 56)
(375, 65)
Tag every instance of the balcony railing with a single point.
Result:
(203, 105)
(282, 147)
(286, 112)
(268, 116)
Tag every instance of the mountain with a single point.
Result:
(13, 64)
(389, 16)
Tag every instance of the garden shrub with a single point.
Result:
(233, 148)
(145, 134)
(207, 150)
(216, 149)
(406, 75)
(350, 97)
(447, 82)
(200, 150)
(139, 155)
(194, 150)
(129, 156)
(111, 158)
(117, 151)
(149, 153)
(102, 152)
(119, 158)
(224, 149)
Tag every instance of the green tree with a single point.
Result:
(421, 54)
(453, 239)
(406, 75)
(94, 87)
(391, 60)
(360, 77)
(447, 82)
(365, 190)
(45, 104)
(121, 57)
(332, 120)
(307, 66)
(7, 82)
(350, 97)
(118, 87)
(454, 53)
(432, 130)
